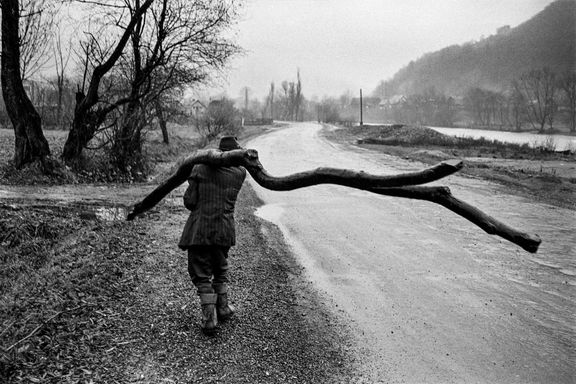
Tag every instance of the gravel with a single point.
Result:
(282, 332)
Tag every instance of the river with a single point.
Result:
(558, 142)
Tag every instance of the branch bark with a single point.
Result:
(405, 185)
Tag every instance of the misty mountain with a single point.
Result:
(546, 40)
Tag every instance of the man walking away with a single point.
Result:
(210, 232)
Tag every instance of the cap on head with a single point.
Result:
(228, 143)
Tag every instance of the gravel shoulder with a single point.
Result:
(281, 333)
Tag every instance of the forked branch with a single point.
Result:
(404, 185)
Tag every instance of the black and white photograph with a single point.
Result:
(288, 191)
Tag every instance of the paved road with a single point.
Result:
(431, 298)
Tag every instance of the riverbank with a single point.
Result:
(545, 176)
(557, 130)
(549, 141)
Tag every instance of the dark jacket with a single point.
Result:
(211, 197)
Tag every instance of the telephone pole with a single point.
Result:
(361, 121)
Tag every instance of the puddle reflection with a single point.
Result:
(110, 213)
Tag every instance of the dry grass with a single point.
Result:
(59, 275)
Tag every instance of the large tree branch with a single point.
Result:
(442, 195)
(403, 185)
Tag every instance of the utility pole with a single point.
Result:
(272, 105)
(272, 101)
(245, 100)
(361, 121)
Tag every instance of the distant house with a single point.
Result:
(392, 101)
(367, 102)
(197, 107)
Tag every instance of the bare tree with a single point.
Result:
(61, 59)
(177, 45)
(221, 117)
(516, 107)
(172, 45)
(298, 97)
(37, 22)
(291, 99)
(568, 86)
(161, 116)
(30, 143)
(271, 100)
(538, 87)
(88, 116)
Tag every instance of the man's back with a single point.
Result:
(211, 220)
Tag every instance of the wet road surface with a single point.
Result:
(430, 297)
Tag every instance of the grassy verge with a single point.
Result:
(537, 173)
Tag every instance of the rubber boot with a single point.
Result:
(209, 317)
(224, 309)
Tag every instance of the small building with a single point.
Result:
(367, 102)
(197, 107)
(392, 101)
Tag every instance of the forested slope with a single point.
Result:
(546, 40)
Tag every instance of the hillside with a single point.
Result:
(546, 40)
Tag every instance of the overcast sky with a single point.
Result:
(342, 45)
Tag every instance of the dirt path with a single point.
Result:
(276, 337)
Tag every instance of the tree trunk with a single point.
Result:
(60, 91)
(127, 145)
(162, 122)
(30, 143)
(82, 131)
(404, 185)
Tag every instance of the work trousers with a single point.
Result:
(208, 267)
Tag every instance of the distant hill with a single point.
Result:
(546, 40)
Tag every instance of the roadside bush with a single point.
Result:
(548, 145)
(220, 118)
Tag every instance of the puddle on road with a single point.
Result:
(270, 212)
(111, 213)
(102, 213)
